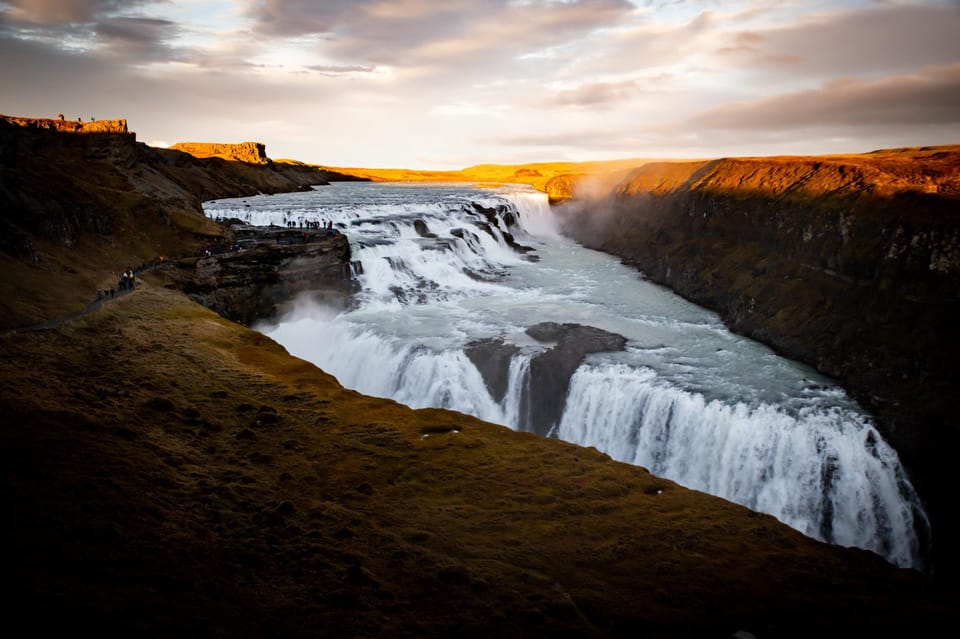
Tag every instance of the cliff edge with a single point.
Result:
(848, 263)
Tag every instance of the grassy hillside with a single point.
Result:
(76, 210)
(167, 471)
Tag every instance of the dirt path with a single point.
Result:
(93, 306)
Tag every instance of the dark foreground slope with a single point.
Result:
(848, 263)
(166, 472)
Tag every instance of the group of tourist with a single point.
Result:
(127, 282)
(327, 225)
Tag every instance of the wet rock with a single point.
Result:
(256, 283)
(492, 357)
(486, 228)
(519, 248)
(423, 230)
(550, 371)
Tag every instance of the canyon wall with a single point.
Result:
(848, 263)
(261, 281)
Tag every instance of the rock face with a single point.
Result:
(257, 283)
(550, 371)
(851, 264)
(250, 152)
(561, 188)
(492, 358)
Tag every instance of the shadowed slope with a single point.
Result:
(167, 471)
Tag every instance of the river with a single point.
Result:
(687, 399)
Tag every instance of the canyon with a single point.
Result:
(169, 471)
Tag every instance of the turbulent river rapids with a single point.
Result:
(472, 300)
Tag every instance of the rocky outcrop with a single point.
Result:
(53, 183)
(851, 264)
(492, 357)
(541, 405)
(273, 269)
(551, 370)
(562, 187)
(180, 177)
(56, 189)
(250, 152)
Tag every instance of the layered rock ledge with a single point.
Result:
(258, 278)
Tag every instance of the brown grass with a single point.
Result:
(166, 470)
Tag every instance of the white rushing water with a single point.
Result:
(687, 399)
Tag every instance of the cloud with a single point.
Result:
(483, 79)
(597, 94)
(137, 39)
(410, 32)
(92, 27)
(926, 98)
(340, 69)
(879, 39)
(53, 12)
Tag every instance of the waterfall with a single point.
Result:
(443, 267)
(823, 471)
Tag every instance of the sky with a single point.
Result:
(445, 84)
